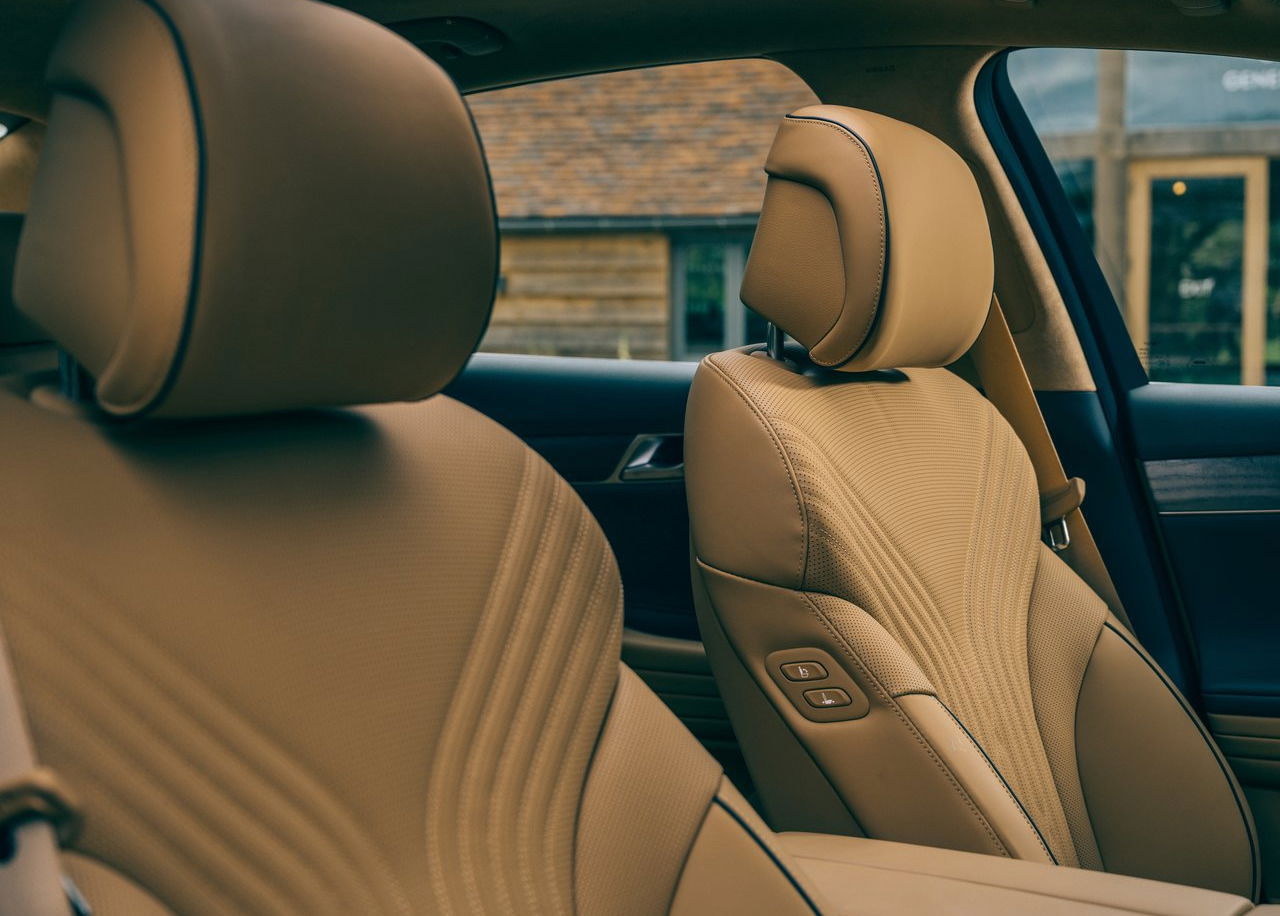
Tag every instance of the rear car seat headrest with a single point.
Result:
(246, 206)
(873, 249)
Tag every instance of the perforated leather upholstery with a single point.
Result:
(324, 661)
(891, 519)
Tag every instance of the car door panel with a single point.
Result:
(1211, 457)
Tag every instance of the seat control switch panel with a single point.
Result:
(827, 697)
(816, 685)
(804, 671)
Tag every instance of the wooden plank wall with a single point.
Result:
(583, 294)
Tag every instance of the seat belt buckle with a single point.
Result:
(1054, 509)
(1057, 534)
(38, 795)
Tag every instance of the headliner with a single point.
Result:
(548, 38)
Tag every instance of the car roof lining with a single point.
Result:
(571, 37)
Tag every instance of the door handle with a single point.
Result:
(652, 456)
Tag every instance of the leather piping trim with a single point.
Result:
(197, 245)
(1075, 719)
(1223, 766)
(1004, 782)
(764, 847)
(884, 222)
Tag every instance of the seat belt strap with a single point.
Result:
(1004, 380)
(34, 808)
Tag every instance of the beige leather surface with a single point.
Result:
(107, 251)
(968, 763)
(649, 779)
(873, 877)
(856, 206)
(891, 519)
(325, 661)
(269, 653)
(893, 782)
(1063, 624)
(1191, 822)
(111, 893)
(890, 529)
(800, 796)
(317, 215)
(730, 872)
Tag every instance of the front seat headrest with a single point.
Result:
(247, 206)
(873, 249)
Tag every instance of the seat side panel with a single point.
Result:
(1149, 770)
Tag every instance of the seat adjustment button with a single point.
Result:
(804, 671)
(827, 697)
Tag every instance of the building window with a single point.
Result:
(626, 203)
(707, 313)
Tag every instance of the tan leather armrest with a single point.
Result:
(872, 877)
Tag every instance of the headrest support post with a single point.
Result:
(872, 249)
(74, 383)
(775, 343)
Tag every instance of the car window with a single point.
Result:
(1170, 162)
(627, 202)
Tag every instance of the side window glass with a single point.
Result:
(1169, 160)
(627, 202)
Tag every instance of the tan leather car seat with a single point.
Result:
(901, 654)
(297, 659)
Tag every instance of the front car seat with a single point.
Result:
(900, 654)
(294, 658)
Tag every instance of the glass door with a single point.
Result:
(1196, 279)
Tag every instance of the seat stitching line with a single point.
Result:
(1000, 778)
(906, 721)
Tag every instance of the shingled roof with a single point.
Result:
(684, 141)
